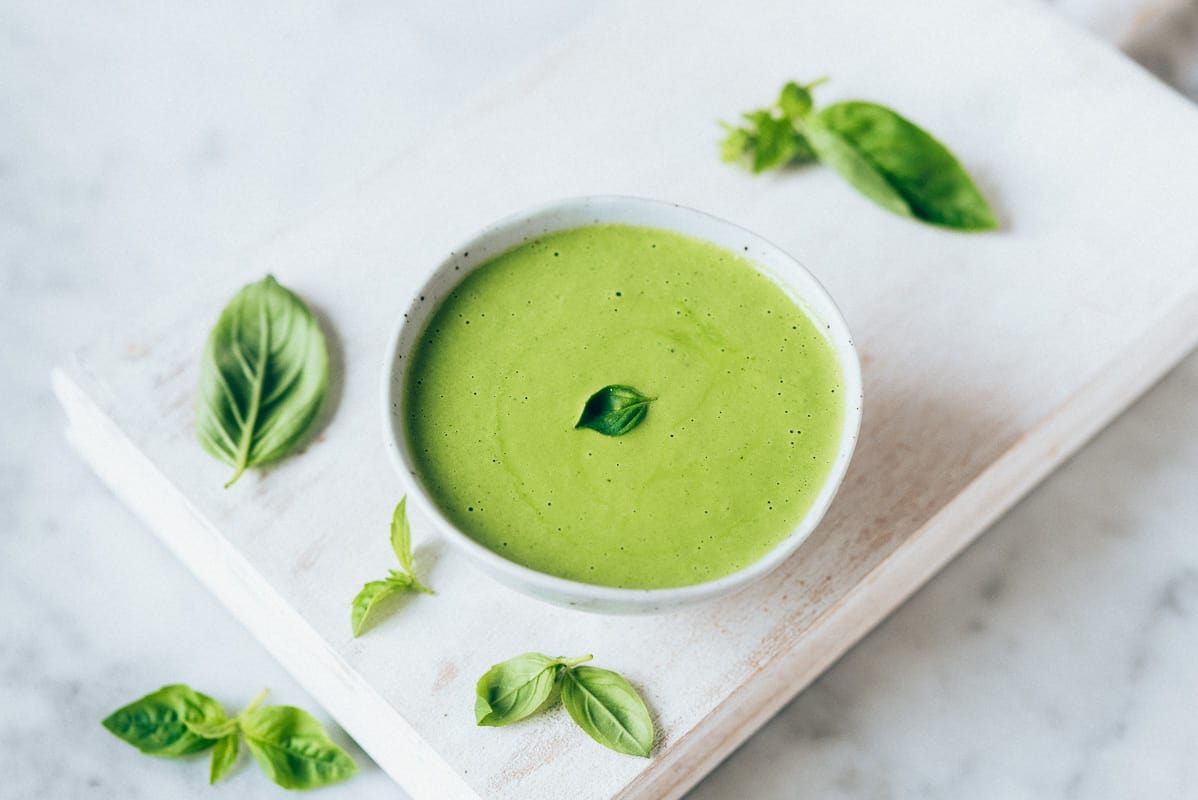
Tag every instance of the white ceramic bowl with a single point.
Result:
(495, 239)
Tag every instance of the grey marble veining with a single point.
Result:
(142, 141)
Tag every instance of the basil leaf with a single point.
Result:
(370, 596)
(401, 535)
(614, 410)
(224, 756)
(795, 101)
(854, 167)
(517, 688)
(898, 165)
(737, 144)
(293, 749)
(157, 724)
(608, 709)
(775, 142)
(262, 379)
(769, 141)
(401, 544)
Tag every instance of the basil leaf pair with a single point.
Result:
(600, 701)
(514, 689)
(885, 156)
(289, 745)
(375, 591)
(263, 376)
(614, 410)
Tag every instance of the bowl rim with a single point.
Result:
(572, 592)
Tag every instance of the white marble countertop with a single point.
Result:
(1055, 658)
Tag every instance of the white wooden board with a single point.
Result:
(987, 358)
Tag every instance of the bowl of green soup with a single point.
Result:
(621, 405)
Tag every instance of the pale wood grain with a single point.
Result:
(987, 360)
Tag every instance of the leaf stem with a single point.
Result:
(236, 475)
(257, 701)
(574, 662)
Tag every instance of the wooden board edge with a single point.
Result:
(1033, 457)
(374, 724)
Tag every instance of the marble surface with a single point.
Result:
(1053, 659)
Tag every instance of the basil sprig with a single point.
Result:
(600, 701)
(263, 377)
(289, 745)
(614, 410)
(885, 156)
(514, 689)
(395, 582)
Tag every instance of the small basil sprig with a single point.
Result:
(406, 581)
(263, 377)
(885, 156)
(600, 701)
(614, 410)
(289, 745)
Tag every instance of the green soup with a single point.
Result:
(745, 427)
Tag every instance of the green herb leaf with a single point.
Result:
(375, 591)
(401, 535)
(768, 141)
(795, 101)
(608, 709)
(224, 756)
(263, 376)
(855, 167)
(777, 141)
(293, 749)
(401, 544)
(369, 597)
(898, 165)
(158, 724)
(614, 410)
(516, 688)
(737, 144)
